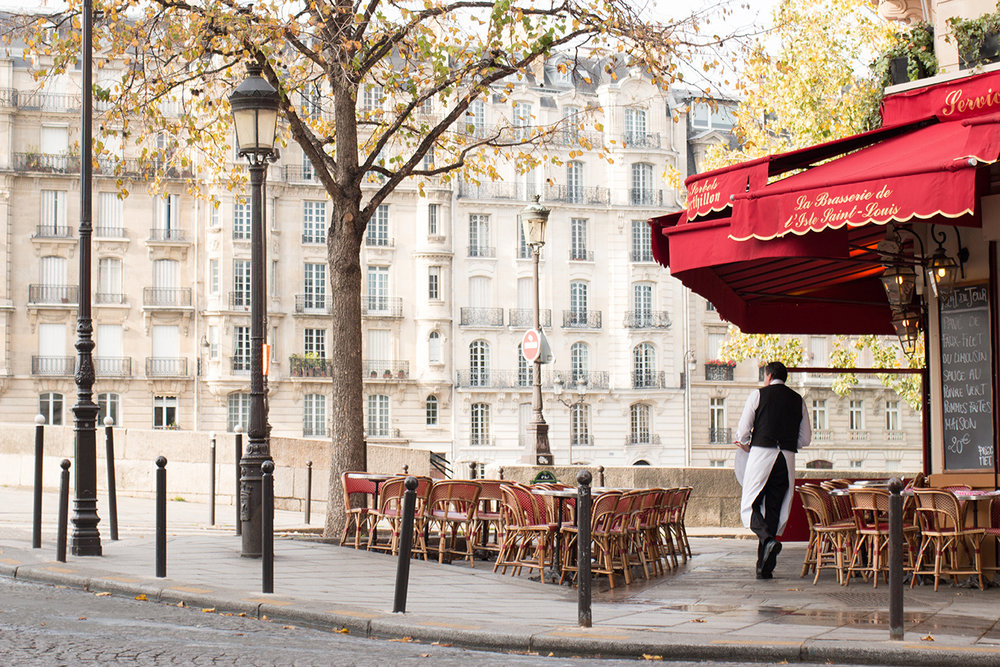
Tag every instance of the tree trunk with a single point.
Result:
(347, 450)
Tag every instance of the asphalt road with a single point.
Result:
(50, 625)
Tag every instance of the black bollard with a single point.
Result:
(109, 450)
(500, 473)
(309, 490)
(63, 511)
(36, 523)
(236, 489)
(161, 516)
(267, 526)
(472, 469)
(211, 482)
(583, 548)
(405, 545)
(600, 476)
(896, 559)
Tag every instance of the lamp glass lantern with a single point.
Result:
(942, 270)
(899, 281)
(907, 326)
(255, 114)
(534, 219)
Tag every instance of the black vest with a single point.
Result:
(777, 418)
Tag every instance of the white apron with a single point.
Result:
(752, 470)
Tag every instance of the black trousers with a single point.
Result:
(770, 498)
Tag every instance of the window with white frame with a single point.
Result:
(241, 283)
(314, 222)
(428, 161)
(241, 349)
(856, 415)
(525, 369)
(50, 406)
(522, 119)
(639, 432)
(642, 242)
(578, 239)
(312, 100)
(635, 126)
(168, 218)
(523, 250)
(818, 414)
(108, 405)
(574, 182)
(642, 304)
(378, 228)
(434, 283)
(238, 413)
(164, 412)
(644, 366)
(475, 115)
(431, 408)
(717, 463)
(892, 415)
(579, 424)
(433, 214)
(817, 350)
(479, 235)
(579, 363)
(434, 348)
(479, 363)
(213, 342)
(109, 281)
(214, 277)
(717, 421)
(372, 97)
(479, 431)
(578, 298)
(378, 289)
(214, 215)
(856, 463)
(314, 286)
(378, 416)
(314, 415)
(109, 215)
(273, 276)
(308, 170)
(642, 185)
(241, 219)
(314, 342)
(715, 341)
(53, 220)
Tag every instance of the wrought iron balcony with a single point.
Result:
(648, 380)
(574, 137)
(109, 298)
(166, 367)
(719, 372)
(645, 197)
(482, 251)
(381, 306)
(578, 194)
(643, 439)
(53, 232)
(581, 319)
(53, 366)
(49, 163)
(720, 436)
(582, 440)
(166, 297)
(309, 365)
(113, 367)
(591, 379)
(498, 191)
(53, 294)
(162, 234)
(239, 300)
(386, 370)
(525, 317)
(581, 255)
(480, 317)
(105, 232)
(647, 319)
(312, 303)
(644, 255)
(640, 140)
(487, 378)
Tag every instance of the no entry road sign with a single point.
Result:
(531, 345)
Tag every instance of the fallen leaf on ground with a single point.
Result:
(927, 638)
(793, 589)
(425, 655)
(225, 613)
(698, 620)
(344, 631)
(102, 595)
(142, 597)
(405, 640)
(242, 614)
(82, 618)
(181, 604)
(208, 610)
(288, 627)
(646, 656)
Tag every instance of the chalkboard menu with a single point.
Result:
(966, 379)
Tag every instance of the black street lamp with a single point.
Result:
(255, 117)
(534, 218)
(86, 539)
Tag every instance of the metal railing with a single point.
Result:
(647, 319)
(648, 379)
(645, 197)
(719, 372)
(48, 163)
(570, 379)
(158, 367)
(578, 194)
(113, 367)
(320, 304)
(486, 378)
(525, 317)
(386, 370)
(103, 232)
(166, 297)
(576, 319)
(720, 436)
(163, 234)
(240, 300)
(440, 463)
(644, 255)
(109, 298)
(53, 294)
(381, 306)
(640, 140)
(480, 317)
(53, 232)
(53, 366)
(309, 366)
(581, 255)
(482, 251)
(379, 242)
(642, 439)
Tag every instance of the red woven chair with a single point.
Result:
(527, 532)
(451, 506)
(488, 515)
(602, 515)
(390, 513)
(356, 494)
(870, 556)
(666, 534)
(675, 521)
(943, 526)
(830, 539)
(993, 531)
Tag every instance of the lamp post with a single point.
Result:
(534, 218)
(255, 117)
(86, 539)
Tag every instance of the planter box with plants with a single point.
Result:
(911, 57)
(977, 39)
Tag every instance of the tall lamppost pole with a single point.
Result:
(86, 539)
(534, 218)
(255, 117)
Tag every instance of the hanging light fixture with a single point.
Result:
(899, 281)
(907, 325)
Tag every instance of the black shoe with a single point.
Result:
(771, 550)
(761, 575)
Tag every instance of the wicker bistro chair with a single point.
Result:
(527, 532)
(942, 523)
(678, 510)
(390, 513)
(488, 515)
(359, 516)
(993, 531)
(830, 539)
(665, 532)
(451, 505)
(603, 553)
(870, 508)
(649, 528)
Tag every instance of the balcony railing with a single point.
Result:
(647, 319)
(381, 306)
(308, 303)
(309, 366)
(240, 365)
(386, 370)
(576, 319)
(720, 436)
(640, 140)
(581, 255)
(644, 255)
(239, 300)
(53, 294)
(385, 432)
(500, 191)
(293, 174)
(574, 137)
(113, 367)
(162, 234)
(48, 163)
(486, 378)
(822, 434)
(719, 372)
(578, 194)
(104, 232)
(895, 436)
(525, 317)
(379, 242)
(648, 379)
(109, 298)
(165, 367)
(53, 232)
(644, 197)
(482, 251)
(166, 297)
(643, 439)
(858, 435)
(591, 379)
(481, 317)
(583, 440)
(53, 366)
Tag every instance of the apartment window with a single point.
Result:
(635, 126)
(642, 184)
(700, 115)
(241, 283)
(578, 239)
(817, 350)
(378, 416)
(213, 342)
(434, 348)
(574, 182)
(50, 406)
(241, 219)
(644, 365)
(856, 415)
(525, 369)
(642, 242)
(709, 307)
(373, 97)
(892, 415)
(164, 412)
(53, 219)
(275, 283)
(716, 415)
(642, 304)
(428, 161)
(109, 280)
(214, 278)
(476, 118)
(639, 423)
(168, 216)
(241, 349)
(214, 217)
(378, 289)
(578, 290)
(717, 463)
(239, 412)
(715, 341)
(479, 235)
(433, 212)
(308, 171)
(312, 100)
(579, 363)
(109, 215)
(314, 286)
(434, 283)
(579, 424)
(479, 363)
(523, 250)
(108, 405)
(431, 410)
(818, 414)
(522, 120)
(315, 342)
(314, 222)
(479, 431)
(378, 227)
(314, 415)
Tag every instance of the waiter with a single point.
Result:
(773, 426)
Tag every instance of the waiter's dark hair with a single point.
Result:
(776, 370)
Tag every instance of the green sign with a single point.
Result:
(544, 476)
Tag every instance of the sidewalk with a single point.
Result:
(711, 608)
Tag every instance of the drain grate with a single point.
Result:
(868, 599)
